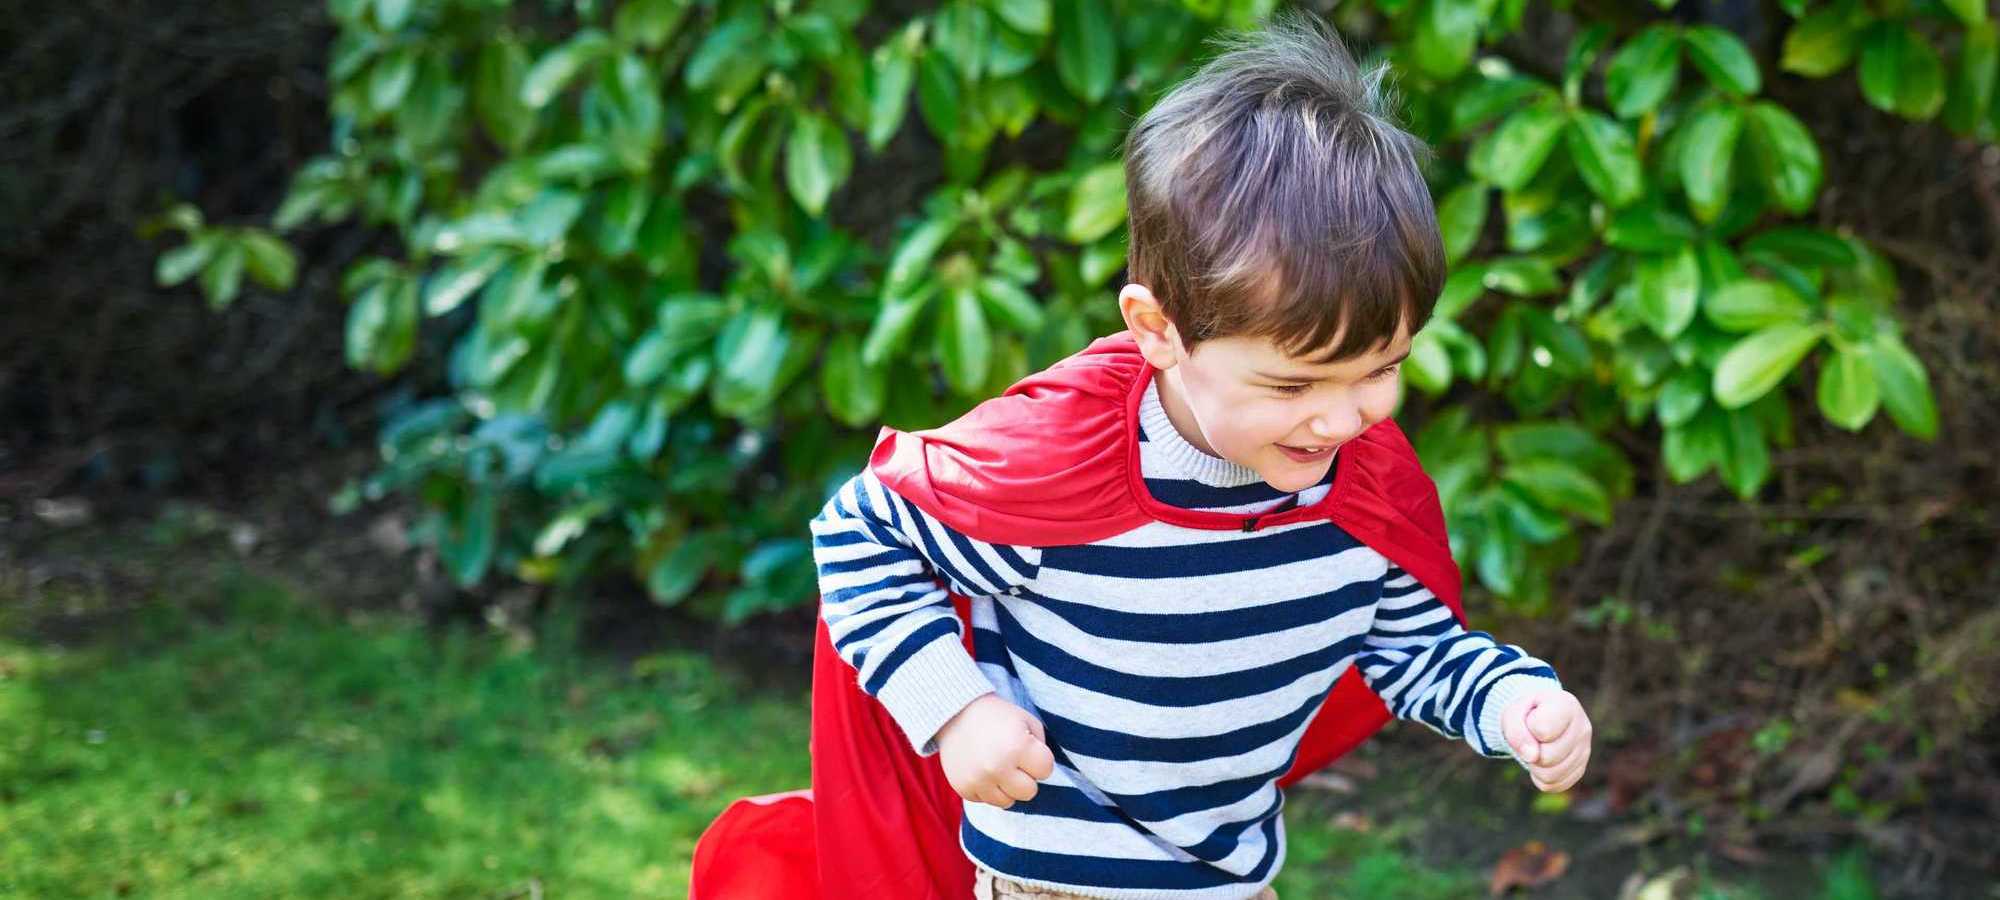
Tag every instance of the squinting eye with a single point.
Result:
(1382, 373)
(1291, 390)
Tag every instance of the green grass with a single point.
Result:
(269, 748)
(288, 753)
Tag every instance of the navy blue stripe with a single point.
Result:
(994, 583)
(1093, 871)
(1183, 560)
(1203, 627)
(1169, 691)
(1190, 494)
(862, 633)
(1224, 840)
(917, 639)
(1100, 743)
(1161, 805)
(892, 581)
(1021, 566)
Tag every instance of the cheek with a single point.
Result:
(1379, 402)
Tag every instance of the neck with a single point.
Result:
(1174, 400)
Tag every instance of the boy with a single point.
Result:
(1129, 701)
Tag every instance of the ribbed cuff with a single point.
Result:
(930, 687)
(1503, 693)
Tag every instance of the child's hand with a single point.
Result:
(1550, 733)
(993, 752)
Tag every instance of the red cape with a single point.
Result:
(1054, 460)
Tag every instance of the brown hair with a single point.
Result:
(1271, 196)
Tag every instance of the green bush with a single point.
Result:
(652, 238)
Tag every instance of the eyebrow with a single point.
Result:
(1301, 379)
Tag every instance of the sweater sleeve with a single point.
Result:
(1428, 669)
(884, 568)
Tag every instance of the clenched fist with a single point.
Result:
(1551, 735)
(993, 752)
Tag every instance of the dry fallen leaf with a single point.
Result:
(1533, 863)
(1350, 820)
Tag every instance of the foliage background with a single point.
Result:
(646, 276)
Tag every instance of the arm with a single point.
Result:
(883, 570)
(1430, 670)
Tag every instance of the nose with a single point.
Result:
(1337, 424)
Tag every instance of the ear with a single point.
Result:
(1159, 341)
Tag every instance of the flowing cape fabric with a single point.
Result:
(1053, 461)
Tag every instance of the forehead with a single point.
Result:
(1264, 352)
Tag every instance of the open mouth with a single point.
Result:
(1305, 454)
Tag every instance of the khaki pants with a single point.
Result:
(988, 886)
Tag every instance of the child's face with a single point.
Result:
(1281, 416)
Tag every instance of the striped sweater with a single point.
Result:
(1174, 669)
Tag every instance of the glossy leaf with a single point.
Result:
(1757, 363)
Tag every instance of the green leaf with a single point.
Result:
(1429, 363)
(381, 326)
(1848, 394)
(648, 23)
(458, 279)
(1967, 110)
(817, 161)
(748, 355)
(892, 71)
(960, 32)
(940, 99)
(1693, 448)
(1682, 396)
(1668, 287)
(496, 93)
(555, 69)
(1758, 362)
(1461, 217)
(270, 261)
(1906, 388)
(1521, 144)
(914, 256)
(1900, 73)
(1648, 227)
(1501, 555)
(1746, 461)
(892, 326)
(1705, 158)
(1606, 157)
(390, 77)
(729, 61)
(1025, 16)
(854, 391)
(964, 342)
(679, 571)
(1822, 43)
(182, 262)
(1097, 203)
(223, 277)
(1447, 32)
(1643, 72)
(1723, 59)
(1521, 276)
(1786, 156)
(1086, 48)
(392, 14)
(1751, 305)
(467, 550)
(1971, 12)
(1012, 305)
(1487, 99)
(1561, 486)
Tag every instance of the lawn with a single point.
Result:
(255, 744)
